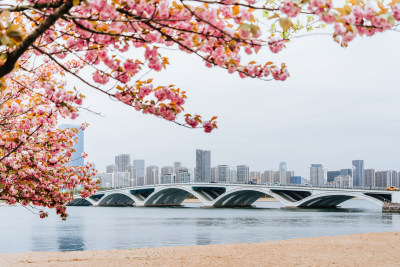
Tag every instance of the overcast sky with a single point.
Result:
(339, 104)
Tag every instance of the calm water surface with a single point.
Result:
(100, 228)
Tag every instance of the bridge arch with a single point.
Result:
(332, 199)
(174, 195)
(81, 202)
(117, 199)
(242, 197)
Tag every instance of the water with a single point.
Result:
(100, 228)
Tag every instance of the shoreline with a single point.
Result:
(368, 249)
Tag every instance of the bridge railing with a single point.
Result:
(257, 184)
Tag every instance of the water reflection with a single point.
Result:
(70, 237)
(99, 228)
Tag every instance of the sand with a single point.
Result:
(372, 249)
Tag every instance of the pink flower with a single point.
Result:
(276, 44)
(369, 11)
(131, 67)
(340, 28)
(357, 11)
(328, 17)
(100, 77)
(347, 37)
(78, 101)
(207, 126)
(191, 121)
(290, 9)
(396, 11)
(317, 3)
(280, 75)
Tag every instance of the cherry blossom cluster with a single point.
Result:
(33, 151)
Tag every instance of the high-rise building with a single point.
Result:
(224, 174)
(166, 170)
(358, 173)
(140, 171)
(382, 178)
(122, 161)
(317, 175)
(344, 172)
(295, 180)
(177, 164)
(394, 179)
(255, 176)
(203, 166)
(111, 168)
(214, 174)
(132, 172)
(331, 175)
(267, 177)
(243, 174)
(152, 175)
(369, 177)
(344, 181)
(277, 177)
(169, 178)
(288, 175)
(76, 158)
(113, 180)
(183, 175)
(233, 175)
(283, 170)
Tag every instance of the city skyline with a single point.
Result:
(328, 173)
(224, 173)
(300, 121)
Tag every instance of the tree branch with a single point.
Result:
(13, 57)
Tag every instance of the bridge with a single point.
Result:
(233, 195)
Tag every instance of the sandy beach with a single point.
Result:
(372, 249)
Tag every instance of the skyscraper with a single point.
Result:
(132, 172)
(369, 177)
(214, 174)
(283, 170)
(382, 178)
(295, 180)
(331, 175)
(76, 159)
(203, 166)
(268, 177)
(255, 176)
(394, 179)
(140, 167)
(111, 168)
(152, 175)
(317, 174)
(243, 174)
(166, 170)
(224, 174)
(177, 164)
(122, 161)
(358, 173)
(344, 172)
(288, 175)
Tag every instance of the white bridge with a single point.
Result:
(233, 195)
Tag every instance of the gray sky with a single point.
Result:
(338, 105)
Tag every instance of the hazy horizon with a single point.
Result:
(340, 104)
